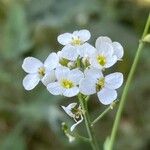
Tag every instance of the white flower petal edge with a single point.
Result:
(87, 86)
(76, 75)
(31, 65)
(118, 50)
(74, 125)
(71, 92)
(107, 96)
(30, 81)
(49, 77)
(84, 34)
(69, 52)
(64, 38)
(55, 88)
(114, 80)
(52, 61)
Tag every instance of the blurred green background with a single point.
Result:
(31, 120)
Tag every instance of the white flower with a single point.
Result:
(67, 82)
(117, 47)
(103, 57)
(38, 71)
(105, 87)
(75, 44)
(74, 112)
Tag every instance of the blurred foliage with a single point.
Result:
(32, 120)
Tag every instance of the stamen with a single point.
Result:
(101, 60)
(67, 84)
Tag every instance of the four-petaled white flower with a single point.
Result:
(103, 57)
(75, 44)
(105, 87)
(38, 71)
(67, 82)
(74, 112)
(117, 47)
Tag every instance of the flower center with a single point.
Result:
(77, 112)
(67, 84)
(100, 84)
(101, 60)
(76, 41)
(41, 71)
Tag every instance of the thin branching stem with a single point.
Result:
(127, 85)
(83, 103)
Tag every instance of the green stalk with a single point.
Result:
(83, 103)
(127, 85)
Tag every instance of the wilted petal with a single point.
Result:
(55, 88)
(73, 126)
(31, 65)
(107, 96)
(30, 81)
(114, 80)
(64, 38)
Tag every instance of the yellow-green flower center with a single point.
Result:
(41, 71)
(100, 84)
(101, 60)
(67, 83)
(76, 41)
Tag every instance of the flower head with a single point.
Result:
(117, 47)
(74, 112)
(75, 44)
(38, 71)
(67, 82)
(103, 57)
(105, 87)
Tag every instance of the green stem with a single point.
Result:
(103, 113)
(83, 102)
(126, 88)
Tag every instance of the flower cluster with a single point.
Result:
(78, 68)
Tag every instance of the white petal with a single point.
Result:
(93, 73)
(71, 92)
(107, 96)
(118, 50)
(114, 80)
(49, 77)
(86, 50)
(70, 52)
(110, 61)
(75, 75)
(30, 81)
(65, 38)
(105, 49)
(73, 126)
(31, 65)
(62, 72)
(84, 35)
(55, 88)
(101, 40)
(88, 86)
(52, 61)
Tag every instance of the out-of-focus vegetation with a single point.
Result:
(32, 120)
